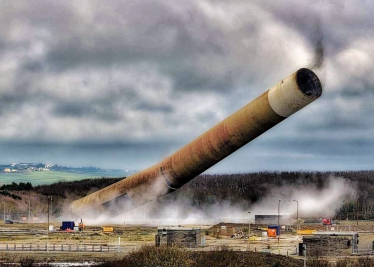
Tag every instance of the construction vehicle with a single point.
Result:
(327, 222)
(81, 225)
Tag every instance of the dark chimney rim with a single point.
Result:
(308, 83)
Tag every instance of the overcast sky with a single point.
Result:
(122, 84)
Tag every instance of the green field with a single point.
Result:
(42, 177)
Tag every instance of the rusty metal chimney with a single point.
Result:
(266, 111)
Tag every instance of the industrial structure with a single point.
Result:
(330, 243)
(229, 229)
(180, 237)
(284, 219)
(266, 111)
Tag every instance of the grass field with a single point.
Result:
(53, 176)
(44, 177)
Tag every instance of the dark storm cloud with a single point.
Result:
(131, 71)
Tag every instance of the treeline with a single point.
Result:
(242, 189)
(246, 189)
(4, 189)
(8, 194)
(75, 188)
(17, 187)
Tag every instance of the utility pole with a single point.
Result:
(357, 217)
(144, 215)
(279, 201)
(297, 215)
(4, 211)
(49, 197)
(29, 206)
(249, 232)
(51, 208)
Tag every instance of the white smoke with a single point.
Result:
(143, 193)
(313, 201)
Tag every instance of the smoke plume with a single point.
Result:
(314, 201)
(317, 64)
(319, 55)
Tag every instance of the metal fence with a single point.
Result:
(65, 247)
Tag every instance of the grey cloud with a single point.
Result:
(33, 66)
(166, 71)
(125, 34)
(328, 147)
(334, 122)
(340, 22)
(153, 107)
(74, 109)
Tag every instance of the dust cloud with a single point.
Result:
(314, 202)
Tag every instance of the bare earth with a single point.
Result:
(92, 244)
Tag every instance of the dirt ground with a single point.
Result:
(133, 237)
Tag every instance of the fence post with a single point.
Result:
(6, 247)
(14, 247)
(108, 248)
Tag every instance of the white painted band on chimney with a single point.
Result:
(285, 98)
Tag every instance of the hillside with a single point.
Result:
(239, 189)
